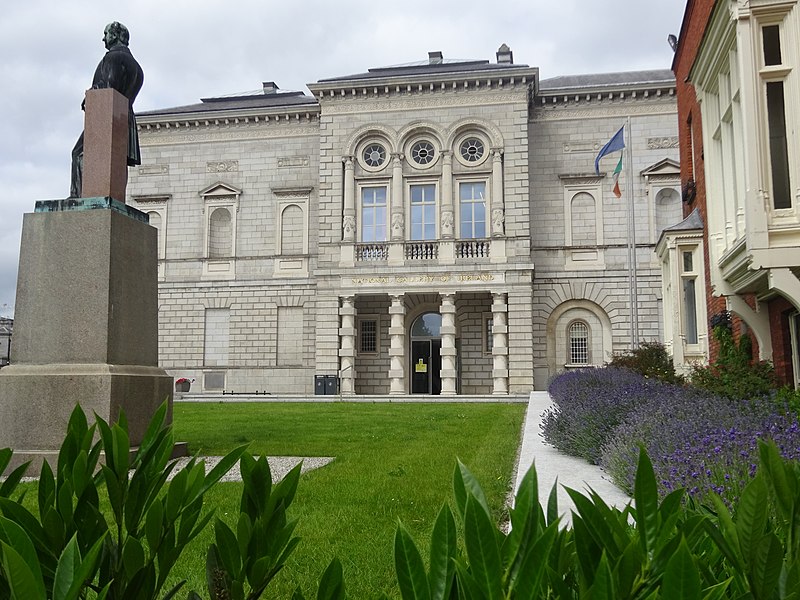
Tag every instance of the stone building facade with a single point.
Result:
(434, 228)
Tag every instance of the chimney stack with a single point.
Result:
(435, 58)
(270, 87)
(505, 56)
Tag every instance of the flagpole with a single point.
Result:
(632, 275)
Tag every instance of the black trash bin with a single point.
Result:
(331, 385)
(319, 385)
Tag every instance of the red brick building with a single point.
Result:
(736, 66)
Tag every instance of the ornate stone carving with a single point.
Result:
(659, 143)
(222, 166)
(447, 222)
(498, 218)
(292, 161)
(549, 113)
(422, 102)
(397, 225)
(153, 170)
(349, 224)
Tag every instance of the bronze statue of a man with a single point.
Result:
(119, 70)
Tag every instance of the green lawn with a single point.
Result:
(393, 461)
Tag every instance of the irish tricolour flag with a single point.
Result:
(615, 144)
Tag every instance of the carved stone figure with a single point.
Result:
(118, 70)
(397, 226)
(497, 222)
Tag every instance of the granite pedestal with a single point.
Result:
(86, 325)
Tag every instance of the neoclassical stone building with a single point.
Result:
(431, 228)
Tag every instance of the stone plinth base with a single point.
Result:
(37, 400)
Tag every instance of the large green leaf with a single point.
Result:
(645, 494)
(603, 586)
(25, 585)
(17, 539)
(751, 517)
(480, 539)
(766, 566)
(681, 577)
(331, 585)
(443, 550)
(464, 485)
(78, 572)
(411, 577)
(533, 567)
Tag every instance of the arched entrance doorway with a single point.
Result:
(426, 357)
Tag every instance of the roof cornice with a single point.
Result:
(500, 79)
(250, 116)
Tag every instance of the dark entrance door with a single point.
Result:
(426, 366)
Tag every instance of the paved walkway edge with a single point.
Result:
(552, 466)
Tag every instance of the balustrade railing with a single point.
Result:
(371, 252)
(422, 250)
(472, 249)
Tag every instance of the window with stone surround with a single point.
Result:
(220, 235)
(292, 230)
(290, 336)
(216, 338)
(423, 210)
(488, 338)
(220, 206)
(472, 208)
(578, 343)
(583, 222)
(368, 335)
(373, 217)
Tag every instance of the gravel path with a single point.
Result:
(278, 465)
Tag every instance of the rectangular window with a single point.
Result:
(423, 212)
(216, 342)
(771, 35)
(472, 206)
(778, 152)
(368, 336)
(373, 214)
(689, 291)
(290, 336)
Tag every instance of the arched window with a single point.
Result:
(292, 230)
(578, 343)
(219, 234)
(155, 221)
(584, 220)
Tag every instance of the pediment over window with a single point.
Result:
(666, 167)
(220, 189)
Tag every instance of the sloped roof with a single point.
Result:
(426, 68)
(239, 102)
(607, 80)
(692, 222)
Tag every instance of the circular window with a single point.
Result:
(472, 150)
(374, 155)
(422, 153)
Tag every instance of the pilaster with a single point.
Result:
(397, 379)
(448, 331)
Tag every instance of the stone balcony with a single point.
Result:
(438, 252)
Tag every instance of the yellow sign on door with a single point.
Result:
(420, 367)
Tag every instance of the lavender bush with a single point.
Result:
(696, 440)
(588, 406)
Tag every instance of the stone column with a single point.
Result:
(349, 224)
(347, 346)
(448, 331)
(447, 227)
(398, 214)
(497, 202)
(397, 347)
(499, 344)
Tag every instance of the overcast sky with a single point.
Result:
(198, 48)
